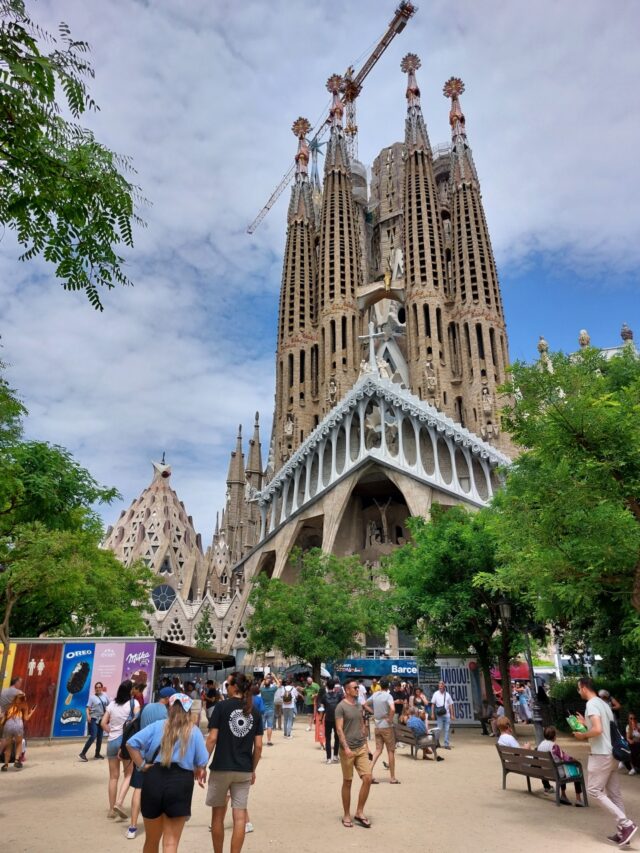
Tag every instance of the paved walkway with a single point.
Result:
(58, 805)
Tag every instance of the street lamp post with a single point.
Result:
(505, 614)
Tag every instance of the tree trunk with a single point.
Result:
(505, 662)
(485, 665)
(316, 669)
(10, 600)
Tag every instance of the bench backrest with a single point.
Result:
(528, 761)
(403, 731)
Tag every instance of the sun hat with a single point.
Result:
(183, 699)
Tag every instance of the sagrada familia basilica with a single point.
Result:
(391, 347)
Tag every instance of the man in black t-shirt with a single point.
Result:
(235, 733)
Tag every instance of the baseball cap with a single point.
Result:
(183, 699)
(166, 692)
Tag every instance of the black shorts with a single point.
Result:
(166, 791)
(137, 778)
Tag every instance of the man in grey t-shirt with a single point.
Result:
(381, 705)
(604, 783)
(354, 752)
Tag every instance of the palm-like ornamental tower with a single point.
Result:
(479, 320)
(339, 267)
(425, 272)
(297, 385)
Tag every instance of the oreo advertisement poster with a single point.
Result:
(69, 719)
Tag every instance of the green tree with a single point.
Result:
(433, 578)
(321, 616)
(568, 521)
(54, 577)
(62, 192)
(204, 629)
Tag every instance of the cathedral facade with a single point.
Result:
(391, 347)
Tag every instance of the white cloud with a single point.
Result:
(202, 96)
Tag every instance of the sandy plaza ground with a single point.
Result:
(57, 804)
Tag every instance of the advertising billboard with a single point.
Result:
(40, 682)
(75, 685)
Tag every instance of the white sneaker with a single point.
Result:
(620, 765)
(308, 728)
(335, 760)
(633, 772)
(328, 761)
(131, 832)
(248, 827)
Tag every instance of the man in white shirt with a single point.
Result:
(604, 783)
(380, 704)
(442, 711)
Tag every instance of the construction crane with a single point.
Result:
(351, 88)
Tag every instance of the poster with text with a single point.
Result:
(139, 657)
(462, 680)
(107, 666)
(6, 681)
(43, 669)
(75, 685)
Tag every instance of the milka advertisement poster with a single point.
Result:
(139, 658)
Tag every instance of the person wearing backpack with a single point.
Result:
(119, 711)
(289, 696)
(329, 698)
(604, 783)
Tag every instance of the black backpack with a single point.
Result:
(619, 745)
(331, 701)
(130, 728)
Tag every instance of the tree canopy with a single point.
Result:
(568, 521)
(62, 192)
(54, 577)
(320, 616)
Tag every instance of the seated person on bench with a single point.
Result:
(507, 739)
(421, 729)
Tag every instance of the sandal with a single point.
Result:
(347, 823)
(363, 821)
(394, 782)
(4, 768)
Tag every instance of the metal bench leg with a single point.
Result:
(504, 779)
(529, 783)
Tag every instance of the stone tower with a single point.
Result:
(297, 407)
(426, 290)
(339, 266)
(477, 330)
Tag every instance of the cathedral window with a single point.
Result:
(344, 333)
(165, 567)
(163, 596)
(290, 371)
(480, 341)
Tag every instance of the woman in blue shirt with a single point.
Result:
(172, 755)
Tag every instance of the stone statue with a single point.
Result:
(288, 425)
(332, 394)
(364, 368)
(432, 381)
(373, 534)
(487, 402)
(383, 368)
(383, 518)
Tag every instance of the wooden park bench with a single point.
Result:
(406, 735)
(539, 765)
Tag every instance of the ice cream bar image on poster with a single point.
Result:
(77, 680)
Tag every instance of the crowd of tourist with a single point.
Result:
(157, 750)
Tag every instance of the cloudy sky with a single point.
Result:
(202, 93)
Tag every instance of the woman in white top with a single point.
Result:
(119, 711)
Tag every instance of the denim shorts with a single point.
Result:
(113, 746)
(267, 718)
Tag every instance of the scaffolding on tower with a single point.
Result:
(351, 88)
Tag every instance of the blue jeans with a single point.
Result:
(444, 723)
(287, 715)
(267, 718)
(95, 733)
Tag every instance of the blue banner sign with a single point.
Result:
(377, 667)
(69, 719)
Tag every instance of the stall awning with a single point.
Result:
(192, 655)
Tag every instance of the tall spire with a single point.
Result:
(340, 270)
(236, 462)
(297, 348)
(254, 462)
(416, 135)
(463, 167)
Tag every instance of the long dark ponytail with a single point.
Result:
(243, 686)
